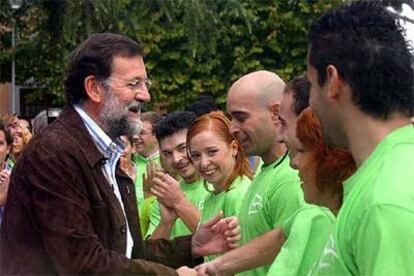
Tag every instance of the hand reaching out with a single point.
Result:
(216, 235)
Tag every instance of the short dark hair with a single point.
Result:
(172, 123)
(7, 135)
(365, 43)
(299, 87)
(203, 104)
(94, 57)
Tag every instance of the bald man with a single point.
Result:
(275, 194)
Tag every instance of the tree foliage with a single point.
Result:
(192, 46)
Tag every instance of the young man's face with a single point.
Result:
(318, 100)
(251, 123)
(145, 143)
(173, 149)
(287, 117)
(288, 120)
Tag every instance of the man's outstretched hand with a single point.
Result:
(217, 235)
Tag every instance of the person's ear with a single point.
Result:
(274, 112)
(94, 89)
(234, 148)
(334, 82)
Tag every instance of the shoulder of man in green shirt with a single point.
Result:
(374, 231)
(273, 196)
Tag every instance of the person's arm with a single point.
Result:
(217, 235)
(258, 252)
(164, 228)
(155, 218)
(188, 213)
(168, 191)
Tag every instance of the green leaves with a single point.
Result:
(192, 46)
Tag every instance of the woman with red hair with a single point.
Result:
(220, 160)
(295, 247)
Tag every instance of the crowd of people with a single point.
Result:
(312, 177)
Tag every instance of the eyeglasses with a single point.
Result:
(134, 85)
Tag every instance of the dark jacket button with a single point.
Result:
(123, 229)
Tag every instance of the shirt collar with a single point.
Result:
(102, 141)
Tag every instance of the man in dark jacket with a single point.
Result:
(70, 209)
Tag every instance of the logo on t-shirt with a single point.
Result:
(329, 255)
(256, 204)
(201, 205)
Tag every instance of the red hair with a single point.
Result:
(333, 166)
(219, 124)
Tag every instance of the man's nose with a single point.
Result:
(234, 128)
(143, 94)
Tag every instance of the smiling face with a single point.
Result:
(304, 161)
(251, 123)
(288, 120)
(120, 108)
(145, 143)
(174, 153)
(213, 158)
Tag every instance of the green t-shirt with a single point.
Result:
(141, 164)
(273, 197)
(374, 233)
(196, 194)
(307, 232)
(145, 212)
(259, 167)
(229, 202)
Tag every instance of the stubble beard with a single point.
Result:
(115, 118)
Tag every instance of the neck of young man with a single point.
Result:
(363, 137)
(150, 153)
(276, 151)
(192, 179)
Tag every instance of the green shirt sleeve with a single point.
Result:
(385, 239)
(155, 219)
(307, 232)
(145, 213)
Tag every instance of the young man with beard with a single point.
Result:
(185, 199)
(70, 209)
(275, 194)
(362, 79)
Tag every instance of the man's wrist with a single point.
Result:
(167, 223)
(179, 202)
(195, 249)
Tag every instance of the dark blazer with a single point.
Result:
(62, 216)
